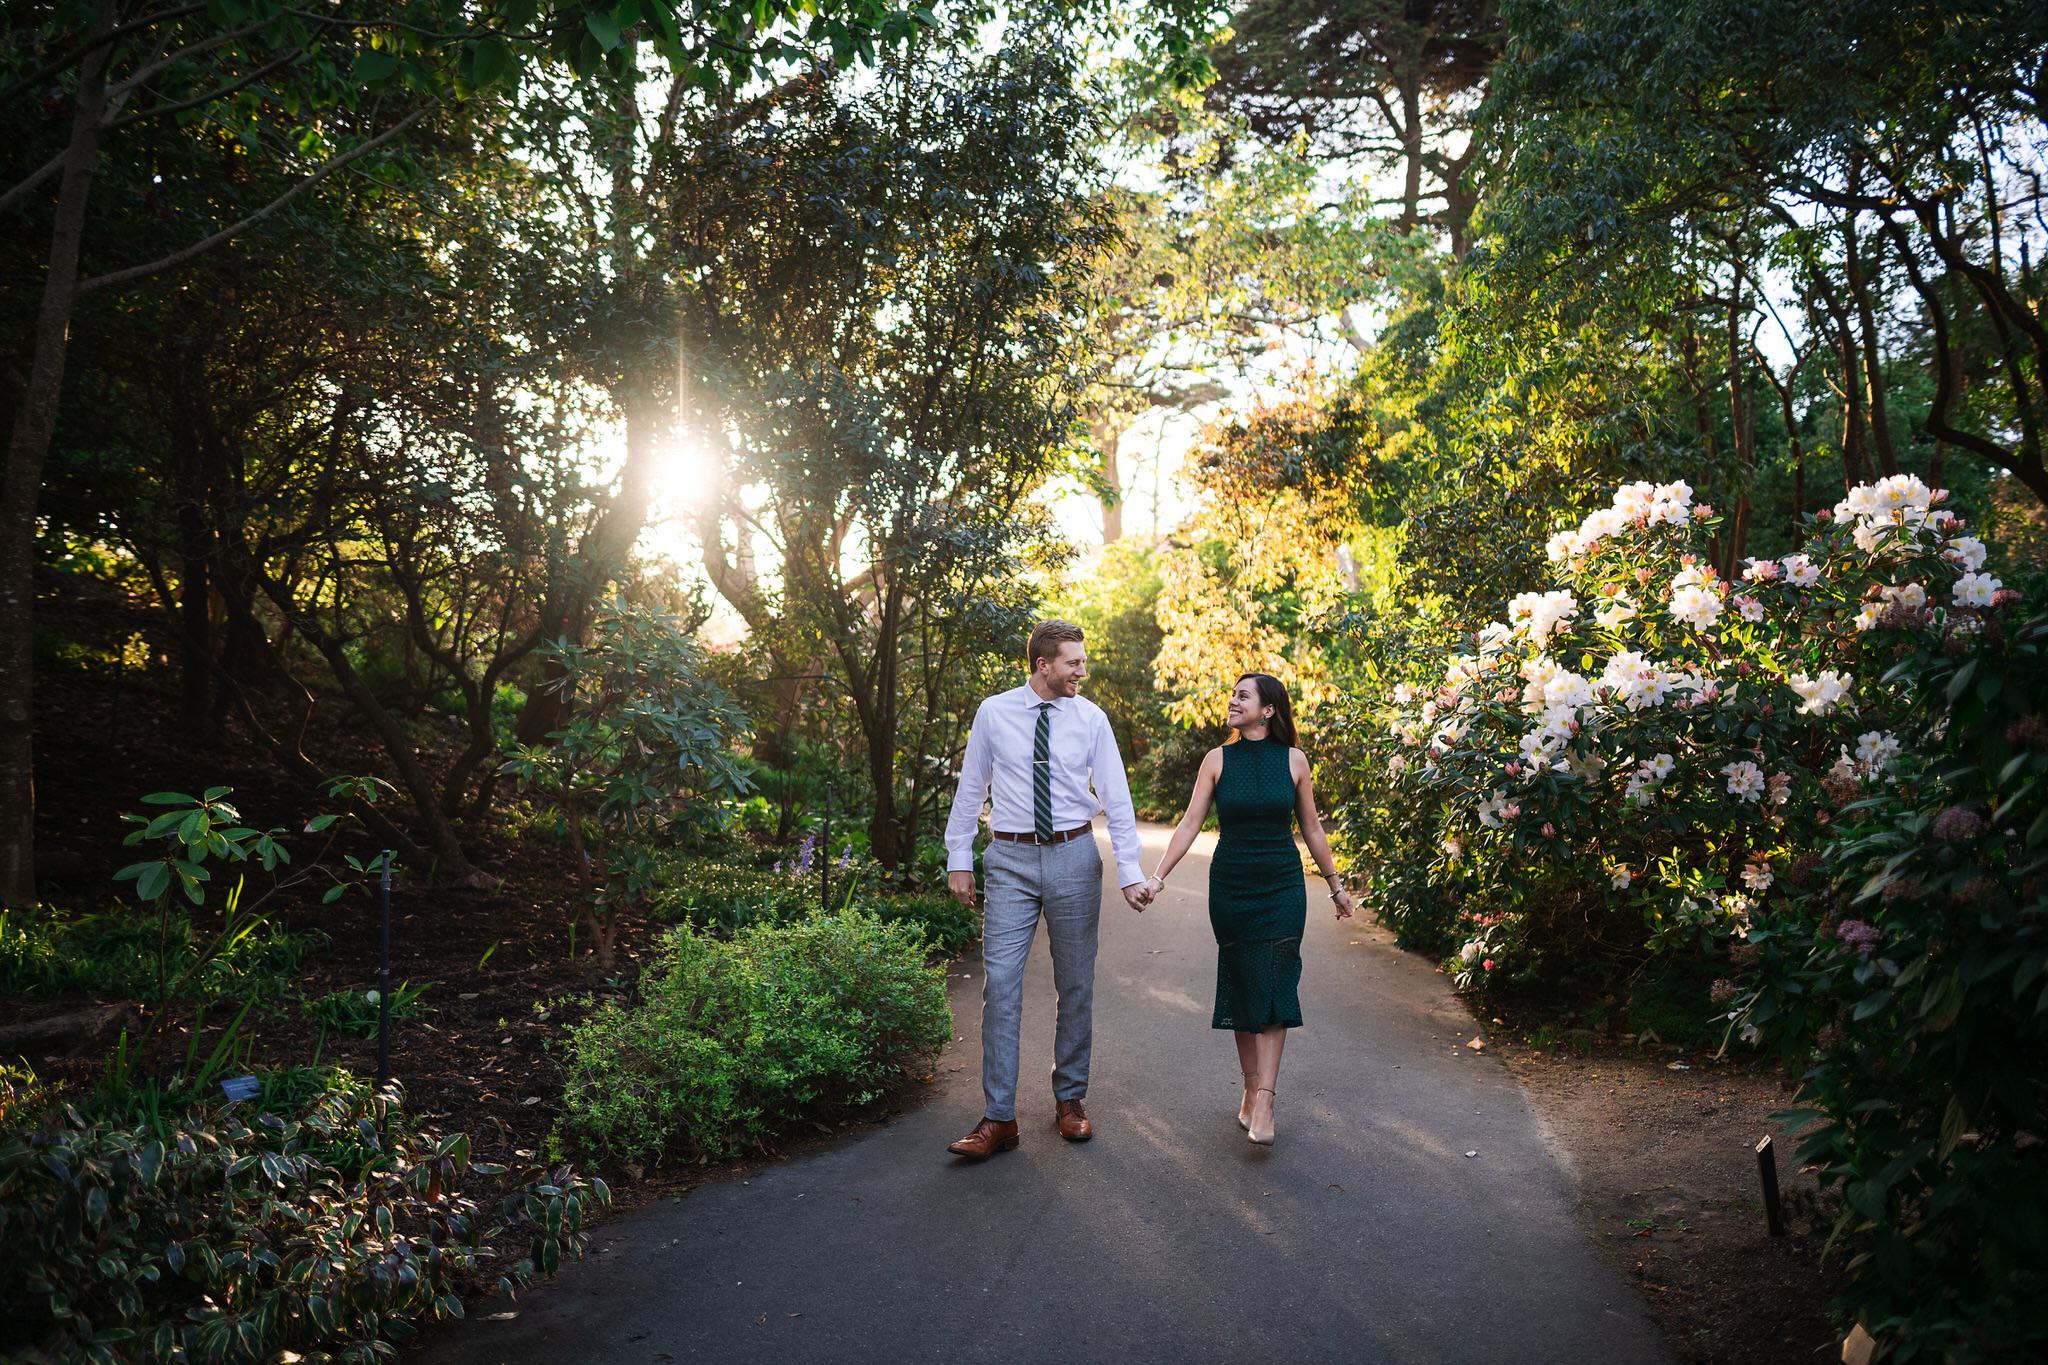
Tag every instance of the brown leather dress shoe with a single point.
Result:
(1073, 1121)
(988, 1138)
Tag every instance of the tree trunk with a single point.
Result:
(598, 561)
(28, 446)
(1872, 377)
(1113, 485)
(1411, 145)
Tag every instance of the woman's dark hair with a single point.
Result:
(1273, 693)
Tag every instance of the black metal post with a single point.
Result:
(1767, 1172)
(384, 975)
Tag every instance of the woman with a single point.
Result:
(1257, 904)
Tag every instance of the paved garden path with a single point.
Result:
(1365, 1234)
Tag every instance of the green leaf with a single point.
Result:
(374, 66)
(1871, 1004)
(1961, 680)
(169, 799)
(604, 28)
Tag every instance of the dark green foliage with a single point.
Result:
(946, 925)
(1922, 997)
(236, 1239)
(113, 955)
(355, 1012)
(731, 1040)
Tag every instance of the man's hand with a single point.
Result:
(961, 884)
(1138, 895)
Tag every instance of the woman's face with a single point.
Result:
(1245, 706)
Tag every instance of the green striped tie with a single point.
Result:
(1041, 773)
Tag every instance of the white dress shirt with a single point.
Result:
(997, 768)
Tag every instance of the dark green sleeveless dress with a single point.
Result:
(1257, 901)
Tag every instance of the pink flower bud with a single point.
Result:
(1703, 511)
(1549, 830)
(1488, 964)
(1824, 515)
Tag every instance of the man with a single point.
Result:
(1033, 753)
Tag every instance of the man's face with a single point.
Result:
(1064, 673)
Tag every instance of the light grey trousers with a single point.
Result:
(1062, 883)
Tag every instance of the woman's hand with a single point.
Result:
(1154, 884)
(1346, 907)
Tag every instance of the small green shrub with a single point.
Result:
(238, 1240)
(355, 1012)
(730, 1040)
(947, 925)
(723, 897)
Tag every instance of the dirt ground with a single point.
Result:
(1666, 1167)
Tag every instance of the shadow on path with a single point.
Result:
(1365, 1234)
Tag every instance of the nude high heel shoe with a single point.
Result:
(1264, 1139)
(1244, 1113)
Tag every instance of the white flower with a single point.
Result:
(1910, 595)
(1617, 610)
(1891, 513)
(1621, 879)
(1660, 766)
(1634, 680)
(1494, 637)
(1538, 748)
(1749, 608)
(1404, 694)
(1866, 619)
(1489, 809)
(1745, 780)
(1640, 792)
(1396, 765)
(1762, 570)
(1967, 551)
(1671, 504)
(1471, 952)
(1820, 695)
(1697, 607)
(1540, 613)
(1975, 589)
(1757, 876)
(1800, 571)
(1454, 846)
(1751, 1034)
(1875, 748)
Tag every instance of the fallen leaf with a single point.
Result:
(1471, 1154)
(1477, 1045)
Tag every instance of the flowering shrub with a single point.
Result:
(1915, 982)
(1655, 736)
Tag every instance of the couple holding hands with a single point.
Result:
(1045, 761)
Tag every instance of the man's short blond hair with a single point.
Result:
(1046, 639)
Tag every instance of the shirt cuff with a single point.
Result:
(961, 860)
(1128, 874)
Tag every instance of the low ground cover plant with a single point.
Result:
(238, 1238)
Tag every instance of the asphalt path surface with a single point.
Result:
(1410, 1211)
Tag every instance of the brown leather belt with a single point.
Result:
(1059, 838)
